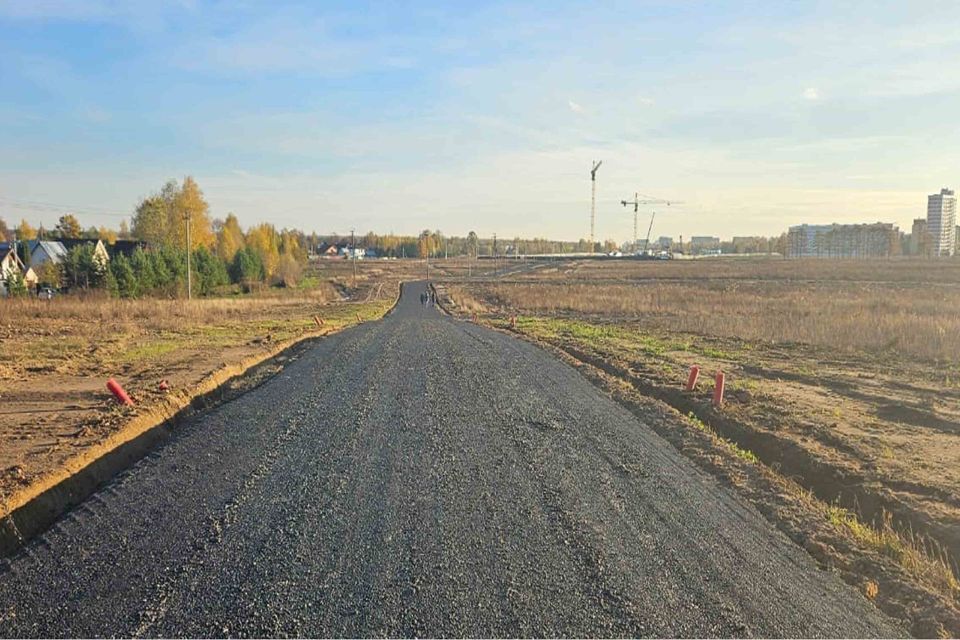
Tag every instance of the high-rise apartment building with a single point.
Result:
(941, 222)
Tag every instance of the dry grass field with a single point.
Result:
(56, 355)
(843, 376)
(909, 308)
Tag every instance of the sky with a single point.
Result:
(397, 117)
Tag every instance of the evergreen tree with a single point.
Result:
(16, 287)
(247, 267)
(124, 277)
(211, 272)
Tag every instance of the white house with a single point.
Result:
(11, 263)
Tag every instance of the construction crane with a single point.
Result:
(593, 198)
(636, 202)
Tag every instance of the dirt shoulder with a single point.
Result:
(55, 411)
(851, 455)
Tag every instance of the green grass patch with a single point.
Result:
(152, 350)
(884, 540)
(717, 354)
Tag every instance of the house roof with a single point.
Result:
(126, 247)
(53, 248)
(6, 250)
(70, 243)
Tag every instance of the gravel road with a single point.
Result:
(421, 476)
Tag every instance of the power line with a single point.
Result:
(34, 205)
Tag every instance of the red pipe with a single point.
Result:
(118, 392)
(692, 379)
(718, 390)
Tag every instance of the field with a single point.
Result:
(843, 376)
(56, 356)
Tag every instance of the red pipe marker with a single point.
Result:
(359, 319)
(118, 392)
(513, 321)
(692, 379)
(718, 390)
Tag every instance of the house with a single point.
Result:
(10, 263)
(357, 253)
(329, 250)
(56, 250)
(46, 250)
(99, 248)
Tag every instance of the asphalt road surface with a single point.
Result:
(421, 476)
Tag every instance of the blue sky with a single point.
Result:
(401, 116)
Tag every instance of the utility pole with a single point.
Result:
(593, 199)
(496, 266)
(186, 217)
(353, 256)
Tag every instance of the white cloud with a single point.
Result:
(647, 102)
(811, 93)
(576, 108)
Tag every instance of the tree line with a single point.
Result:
(221, 251)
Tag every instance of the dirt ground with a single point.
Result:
(56, 356)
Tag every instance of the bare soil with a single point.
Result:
(57, 356)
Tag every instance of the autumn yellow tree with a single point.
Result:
(69, 227)
(230, 238)
(428, 243)
(265, 241)
(109, 236)
(25, 231)
(290, 245)
(189, 203)
(161, 218)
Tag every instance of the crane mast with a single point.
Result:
(636, 202)
(593, 199)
